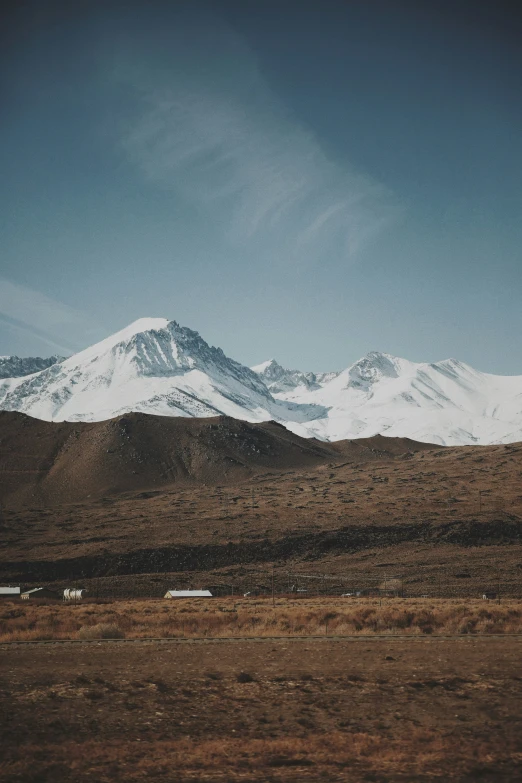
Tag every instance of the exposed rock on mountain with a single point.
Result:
(16, 366)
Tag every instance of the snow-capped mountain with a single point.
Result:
(281, 381)
(16, 366)
(152, 366)
(157, 366)
(447, 402)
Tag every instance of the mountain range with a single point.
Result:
(157, 366)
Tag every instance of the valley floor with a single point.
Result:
(374, 710)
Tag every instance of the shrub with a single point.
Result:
(244, 677)
(212, 675)
(100, 631)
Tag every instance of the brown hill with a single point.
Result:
(63, 462)
(133, 499)
(363, 449)
(53, 463)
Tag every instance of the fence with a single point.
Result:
(435, 583)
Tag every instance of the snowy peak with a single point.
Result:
(157, 366)
(157, 347)
(268, 369)
(152, 366)
(282, 381)
(372, 368)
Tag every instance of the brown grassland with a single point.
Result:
(215, 499)
(255, 617)
(313, 688)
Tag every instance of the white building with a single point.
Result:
(9, 592)
(188, 594)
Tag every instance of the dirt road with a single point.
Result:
(386, 638)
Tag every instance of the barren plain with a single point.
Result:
(385, 710)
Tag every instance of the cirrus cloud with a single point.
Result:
(221, 139)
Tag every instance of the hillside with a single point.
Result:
(55, 463)
(142, 500)
(16, 366)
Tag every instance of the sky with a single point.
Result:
(307, 181)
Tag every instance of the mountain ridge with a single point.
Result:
(158, 366)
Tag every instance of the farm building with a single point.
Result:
(40, 592)
(188, 594)
(9, 592)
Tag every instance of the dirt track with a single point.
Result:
(272, 639)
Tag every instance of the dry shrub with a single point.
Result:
(244, 677)
(418, 755)
(100, 631)
(306, 617)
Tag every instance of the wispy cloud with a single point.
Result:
(225, 142)
(54, 324)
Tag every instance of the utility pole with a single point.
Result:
(480, 500)
(273, 584)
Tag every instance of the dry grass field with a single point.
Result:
(256, 617)
(387, 710)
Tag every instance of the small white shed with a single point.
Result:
(9, 592)
(188, 594)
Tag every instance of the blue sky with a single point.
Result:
(304, 181)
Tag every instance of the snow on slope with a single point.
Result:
(446, 402)
(152, 366)
(157, 366)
